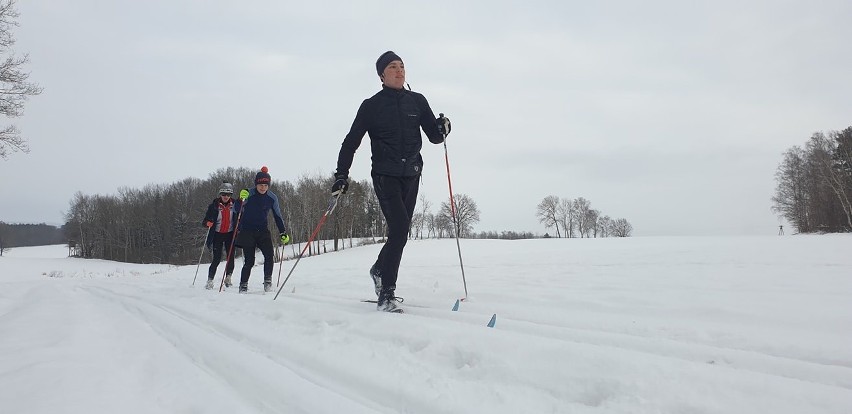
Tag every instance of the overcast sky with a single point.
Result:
(671, 114)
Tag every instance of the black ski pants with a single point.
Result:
(249, 241)
(397, 198)
(221, 242)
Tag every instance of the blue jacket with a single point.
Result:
(256, 211)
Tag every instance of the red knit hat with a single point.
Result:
(263, 177)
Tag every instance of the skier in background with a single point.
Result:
(393, 117)
(220, 219)
(253, 232)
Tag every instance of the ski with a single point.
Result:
(406, 304)
(397, 310)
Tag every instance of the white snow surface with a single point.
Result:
(636, 325)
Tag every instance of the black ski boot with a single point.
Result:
(243, 288)
(376, 275)
(388, 302)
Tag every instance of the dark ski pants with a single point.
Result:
(249, 241)
(397, 198)
(221, 243)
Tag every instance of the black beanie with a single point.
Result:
(263, 177)
(384, 60)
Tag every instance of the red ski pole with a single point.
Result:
(453, 210)
(331, 205)
(233, 240)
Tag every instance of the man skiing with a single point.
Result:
(393, 117)
(253, 232)
(220, 220)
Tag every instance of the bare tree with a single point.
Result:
(582, 208)
(14, 88)
(621, 228)
(421, 216)
(567, 216)
(790, 199)
(814, 185)
(832, 167)
(592, 222)
(443, 223)
(467, 214)
(604, 226)
(548, 213)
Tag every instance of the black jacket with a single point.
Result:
(393, 117)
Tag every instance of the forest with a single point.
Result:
(163, 223)
(814, 184)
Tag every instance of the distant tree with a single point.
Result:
(582, 207)
(839, 173)
(467, 214)
(573, 215)
(621, 228)
(505, 235)
(548, 213)
(814, 184)
(431, 225)
(604, 226)
(3, 246)
(443, 223)
(843, 150)
(790, 199)
(14, 89)
(24, 234)
(567, 215)
(823, 205)
(421, 217)
(592, 222)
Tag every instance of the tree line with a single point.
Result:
(577, 218)
(19, 235)
(162, 223)
(814, 184)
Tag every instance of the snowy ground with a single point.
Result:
(638, 325)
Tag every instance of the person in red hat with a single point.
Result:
(253, 232)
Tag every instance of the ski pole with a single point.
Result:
(203, 245)
(332, 203)
(233, 240)
(453, 211)
(280, 262)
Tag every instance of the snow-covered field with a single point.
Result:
(638, 325)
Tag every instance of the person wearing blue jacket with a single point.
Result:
(253, 231)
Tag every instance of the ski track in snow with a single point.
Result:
(733, 358)
(190, 333)
(583, 345)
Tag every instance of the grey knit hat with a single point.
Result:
(226, 188)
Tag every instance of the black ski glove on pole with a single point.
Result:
(341, 184)
(444, 125)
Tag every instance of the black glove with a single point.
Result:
(444, 126)
(341, 184)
